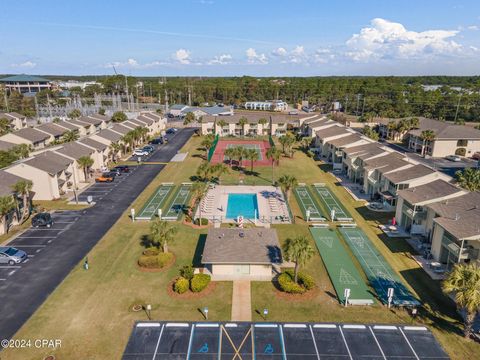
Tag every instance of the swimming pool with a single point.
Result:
(242, 204)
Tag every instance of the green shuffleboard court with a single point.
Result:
(307, 202)
(179, 203)
(150, 209)
(342, 271)
(331, 203)
(378, 271)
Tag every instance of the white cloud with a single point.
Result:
(473, 27)
(182, 56)
(387, 39)
(254, 58)
(298, 55)
(221, 60)
(27, 64)
(280, 52)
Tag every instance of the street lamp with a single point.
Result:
(205, 312)
(346, 294)
(132, 214)
(265, 313)
(149, 311)
(390, 297)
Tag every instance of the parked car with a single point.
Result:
(140, 152)
(149, 148)
(114, 172)
(11, 256)
(122, 168)
(454, 158)
(104, 178)
(172, 131)
(157, 141)
(42, 219)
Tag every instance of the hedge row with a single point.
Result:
(198, 283)
(287, 283)
(181, 285)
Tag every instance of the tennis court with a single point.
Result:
(331, 203)
(293, 341)
(261, 146)
(179, 203)
(378, 271)
(307, 202)
(150, 209)
(341, 270)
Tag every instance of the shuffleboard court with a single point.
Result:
(331, 203)
(342, 271)
(179, 203)
(150, 209)
(378, 271)
(295, 341)
(306, 202)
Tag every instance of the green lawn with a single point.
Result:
(90, 310)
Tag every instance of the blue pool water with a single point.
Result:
(242, 204)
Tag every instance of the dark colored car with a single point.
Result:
(122, 168)
(42, 219)
(170, 131)
(149, 148)
(157, 141)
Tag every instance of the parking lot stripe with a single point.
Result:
(35, 237)
(10, 267)
(17, 246)
(3, 279)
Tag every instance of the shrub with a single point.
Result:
(304, 280)
(187, 272)
(164, 258)
(149, 262)
(286, 283)
(181, 285)
(199, 282)
(310, 153)
(202, 221)
(151, 251)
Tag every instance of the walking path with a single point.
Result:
(241, 301)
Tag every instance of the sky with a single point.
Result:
(235, 38)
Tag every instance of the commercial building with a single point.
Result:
(231, 254)
(25, 83)
(267, 105)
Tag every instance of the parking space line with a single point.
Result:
(11, 272)
(38, 250)
(3, 279)
(34, 237)
(10, 267)
(17, 246)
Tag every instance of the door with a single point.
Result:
(242, 269)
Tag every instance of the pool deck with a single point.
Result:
(271, 204)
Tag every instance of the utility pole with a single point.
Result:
(126, 90)
(458, 107)
(346, 104)
(363, 107)
(358, 103)
(6, 100)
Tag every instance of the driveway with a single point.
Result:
(73, 235)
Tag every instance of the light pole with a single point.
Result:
(307, 214)
(132, 214)
(149, 311)
(205, 312)
(346, 294)
(265, 314)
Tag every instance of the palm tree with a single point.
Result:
(230, 153)
(22, 188)
(252, 155)
(287, 182)
(199, 190)
(189, 118)
(162, 234)
(240, 153)
(70, 136)
(464, 282)
(219, 169)
(84, 163)
(299, 251)
(469, 179)
(6, 206)
(204, 171)
(22, 150)
(263, 122)
(114, 148)
(427, 136)
(273, 154)
(287, 142)
(221, 123)
(207, 143)
(391, 127)
(242, 122)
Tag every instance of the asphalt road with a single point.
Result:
(25, 288)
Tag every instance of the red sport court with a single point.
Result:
(260, 145)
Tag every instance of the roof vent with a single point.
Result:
(456, 216)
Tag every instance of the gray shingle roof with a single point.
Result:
(5, 145)
(374, 148)
(226, 246)
(318, 122)
(50, 162)
(7, 180)
(52, 129)
(120, 129)
(445, 130)
(68, 125)
(145, 120)
(109, 135)
(429, 192)
(414, 172)
(450, 207)
(392, 160)
(80, 123)
(345, 140)
(90, 120)
(97, 145)
(75, 150)
(32, 135)
(332, 131)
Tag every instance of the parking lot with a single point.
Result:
(34, 240)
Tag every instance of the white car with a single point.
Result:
(454, 158)
(140, 152)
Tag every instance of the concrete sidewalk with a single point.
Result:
(241, 301)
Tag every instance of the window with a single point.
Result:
(462, 142)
